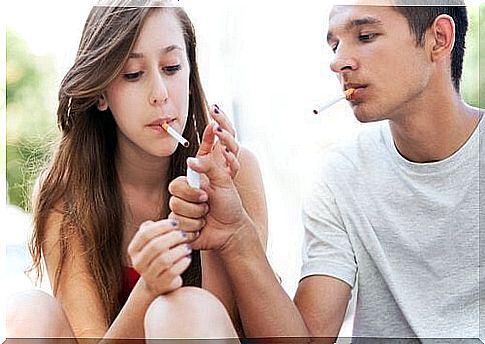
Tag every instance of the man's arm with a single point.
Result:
(264, 307)
(322, 301)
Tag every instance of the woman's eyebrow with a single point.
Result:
(166, 50)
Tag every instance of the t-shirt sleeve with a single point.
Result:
(327, 249)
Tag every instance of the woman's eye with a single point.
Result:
(132, 76)
(172, 69)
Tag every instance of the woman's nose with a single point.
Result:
(159, 90)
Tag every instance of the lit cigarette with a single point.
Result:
(175, 135)
(325, 106)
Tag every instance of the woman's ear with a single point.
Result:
(102, 102)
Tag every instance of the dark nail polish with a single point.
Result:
(174, 223)
(227, 150)
(217, 106)
(219, 129)
(216, 110)
(184, 234)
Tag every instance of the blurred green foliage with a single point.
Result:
(474, 61)
(30, 102)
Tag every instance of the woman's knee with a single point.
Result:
(188, 312)
(35, 314)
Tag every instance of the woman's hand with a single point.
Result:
(160, 253)
(226, 150)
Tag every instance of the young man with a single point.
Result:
(398, 206)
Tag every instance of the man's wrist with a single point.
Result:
(242, 243)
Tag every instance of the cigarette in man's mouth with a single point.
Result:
(172, 132)
(345, 95)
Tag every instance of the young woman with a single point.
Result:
(119, 261)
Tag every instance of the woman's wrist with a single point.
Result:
(144, 291)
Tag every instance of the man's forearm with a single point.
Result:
(264, 307)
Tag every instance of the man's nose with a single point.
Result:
(344, 61)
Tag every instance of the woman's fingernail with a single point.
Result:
(217, 106)
(216, 110)
(184, 234)
(174, 223)
(203, 198)
(227, 150)
(219, 129)
(188, 248)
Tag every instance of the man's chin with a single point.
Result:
(366, 116)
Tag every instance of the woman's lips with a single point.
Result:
(157, 128)
(157, 125)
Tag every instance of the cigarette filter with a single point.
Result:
(172, 132)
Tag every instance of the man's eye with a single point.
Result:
(367, 37)
(334, 47)
(172, 69)
(132, 76)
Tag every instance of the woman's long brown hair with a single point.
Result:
(82, 179)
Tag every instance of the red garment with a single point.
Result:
(130, 277)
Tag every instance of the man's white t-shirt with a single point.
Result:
(409, 230)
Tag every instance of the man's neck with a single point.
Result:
(435, 131)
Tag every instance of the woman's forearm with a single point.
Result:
(130, 321)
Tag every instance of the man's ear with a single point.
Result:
(102, 102)
(442, 37)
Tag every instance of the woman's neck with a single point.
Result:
(144, 183)
(138, 170)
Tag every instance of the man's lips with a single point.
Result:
(358, 90)
(354, 86)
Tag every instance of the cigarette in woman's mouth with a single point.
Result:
(193, 178)
(345, 95)
(172, 132)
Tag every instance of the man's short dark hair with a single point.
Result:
(420, 18)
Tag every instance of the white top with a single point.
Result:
(409, 230)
